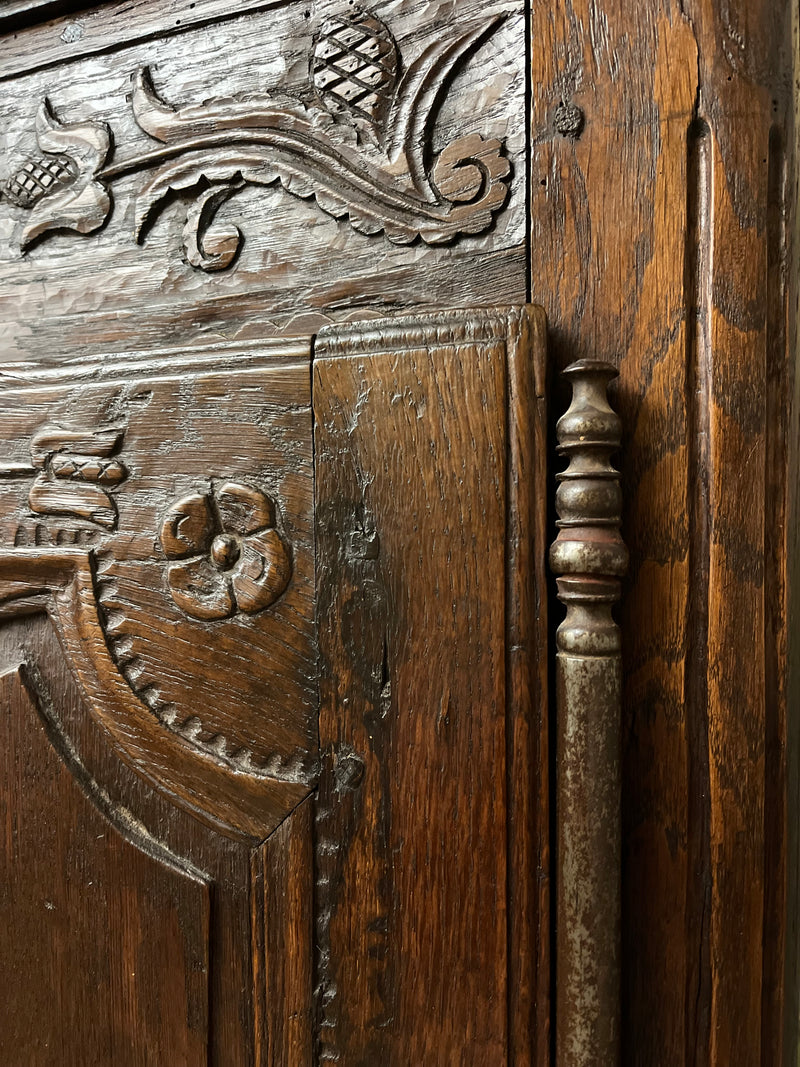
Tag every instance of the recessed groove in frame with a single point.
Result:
(775, 525)
(698, 301)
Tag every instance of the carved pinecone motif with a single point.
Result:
(38, 177)
(354, 65)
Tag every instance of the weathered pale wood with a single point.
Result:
(74, 29)
(298, 268)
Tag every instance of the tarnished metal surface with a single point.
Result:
(589, 557)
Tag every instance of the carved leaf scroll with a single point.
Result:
(362, 151)
(59, 188)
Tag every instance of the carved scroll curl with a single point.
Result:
(589, 557)
(361, 148)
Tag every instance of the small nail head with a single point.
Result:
(568, 120)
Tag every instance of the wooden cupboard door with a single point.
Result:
(160, 715)
(259, 809)
(274, 777)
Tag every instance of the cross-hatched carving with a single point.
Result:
(354, 65)
(37, 177)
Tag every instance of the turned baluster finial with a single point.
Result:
(589, 558)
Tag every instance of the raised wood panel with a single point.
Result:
(132, 491)
(421, 698)
(238, 921)
(105, 939)
(651, 213)
(120, 485)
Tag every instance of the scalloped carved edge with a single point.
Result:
(61, 582)
(298, 769)
(27, 677)
(365, 163)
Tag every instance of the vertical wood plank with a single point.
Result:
(743, 78)
(283, 953)
(662, 239)
(527, 681)
(608, 233)
(104, 948)
(411, 828)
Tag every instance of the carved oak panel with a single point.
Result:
(276, 170)
(73, 865)
(429, 452)
(161, 512)
(239, 507)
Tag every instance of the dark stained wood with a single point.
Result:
(122, 532)
(412, 846)
(114, 809)
(527, 678)
(651, 213)
(91, 498)
(105, 942)
(194, 203)
(284, 928)
(660, 242)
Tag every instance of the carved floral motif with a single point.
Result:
(226, 555)
(363, 151)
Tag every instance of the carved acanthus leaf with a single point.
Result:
(378, 174)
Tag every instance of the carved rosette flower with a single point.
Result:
(59, 188)
(226, 557)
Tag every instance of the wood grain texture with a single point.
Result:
(653, 218)
(104, 947)
(117, 815)
(122, 423)
(211, 451)
(411, 839)
(73, 29)
(283, 943)
(659, 242)
(527, 679)
(299, 268)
